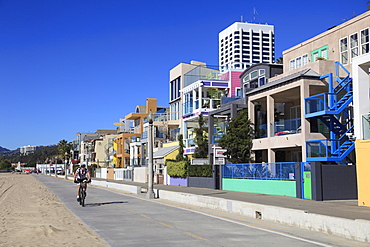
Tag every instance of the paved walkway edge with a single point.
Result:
(358, 230)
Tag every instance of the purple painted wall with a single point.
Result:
(179, 181)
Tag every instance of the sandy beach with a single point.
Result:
(31, 215)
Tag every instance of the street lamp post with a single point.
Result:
(55, 168)
(65, 165)
(150, 193)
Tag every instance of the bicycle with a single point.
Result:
(82, 192)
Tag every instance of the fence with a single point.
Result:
(101, 173)
(123, 174)
(267, 171)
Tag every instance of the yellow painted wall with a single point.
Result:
(172, 155)
(170, 144)
(363, 172)
(115, 147)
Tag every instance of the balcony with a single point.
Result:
(225, 100)
(286, 127)
(207, 104)
(200, 73)
(189, 143)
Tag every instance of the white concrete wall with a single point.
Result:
(140, 174)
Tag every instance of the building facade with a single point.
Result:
(243, 44)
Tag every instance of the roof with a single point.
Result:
(286, 79)
(164, 151)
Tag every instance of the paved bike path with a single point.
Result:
(123, 220)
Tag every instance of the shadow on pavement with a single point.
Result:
(101, 204)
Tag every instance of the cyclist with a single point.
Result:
(82, 174)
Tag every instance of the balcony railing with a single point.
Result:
(261, 131)
(144, 135)
(366, 126)
(225, 100)
(268, 171)
(206, 103)
(188, 108)
(319, 148)
(286, 127)
(189, 143)
(318, 103)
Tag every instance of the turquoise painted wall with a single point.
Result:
(269, 187)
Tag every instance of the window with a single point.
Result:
(315, 56)
(246, 78)
(292, 64)
(175, 89)
(238, 92)
(321, 52)
(299, 62)
(304, 59)
(262, 81)
(364, 41)
(324, 53)
(354, 45)
(344, 50)
(254, 74)
(262, 71)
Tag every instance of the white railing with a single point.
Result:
(122, 174)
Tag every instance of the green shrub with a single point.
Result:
(200, 171)
(177, 169)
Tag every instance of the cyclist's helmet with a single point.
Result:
(83, 165)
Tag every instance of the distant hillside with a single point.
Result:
(5, 151)
(43, 154)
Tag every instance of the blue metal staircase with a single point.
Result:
(332, 109)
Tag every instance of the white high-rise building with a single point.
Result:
(243, 44)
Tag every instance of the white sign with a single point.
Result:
(219, 153)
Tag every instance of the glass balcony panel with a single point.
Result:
(366, 126)
(216, 103)
(286, 127)
(261, 131)
(188, 107)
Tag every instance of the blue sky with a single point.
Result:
(70, 66)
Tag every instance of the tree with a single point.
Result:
(238, 139)
(180, 155)
(64, 149)
(201, 151)
(4, 164)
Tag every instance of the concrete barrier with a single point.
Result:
(123, 187)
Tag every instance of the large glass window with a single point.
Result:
(354, 45)
(365, 41)
(344, 50)
(175, 89)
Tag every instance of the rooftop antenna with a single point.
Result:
(254, 14)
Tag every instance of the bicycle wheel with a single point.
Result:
(83, 198)
(80, 194)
